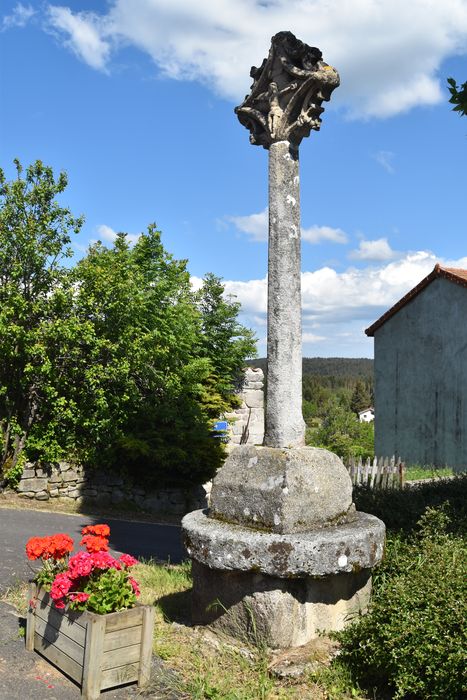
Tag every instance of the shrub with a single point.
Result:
(413, 639)
(400, 510)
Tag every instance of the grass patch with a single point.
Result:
(415, 472)
(17, 596)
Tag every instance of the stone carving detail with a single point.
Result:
(287, 92)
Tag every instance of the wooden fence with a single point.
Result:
(381, 473)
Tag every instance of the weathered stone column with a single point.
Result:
(282, 108)
(285, 426)
(281, 543)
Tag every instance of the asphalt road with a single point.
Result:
(142, 540)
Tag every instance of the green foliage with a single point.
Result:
(458, 97)
(360, 398)
(12, 474)
(223, 340)
(412, 641)
(342, 433)
(109, 591)
(400, 510)
(35, 232)
(114, 361)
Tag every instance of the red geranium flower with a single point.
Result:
(102, 530)
(35, 547)
(95, 543)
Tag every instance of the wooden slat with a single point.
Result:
(62, 641)
(119, 657)
(374, 468)
(122, 638)
(126, 618)
(45, 601)
(30, 618)
(119, 676)
(59, 658)
(402, 475)
(144, 675)
(93, 658)
(366, 471)
(65, 623)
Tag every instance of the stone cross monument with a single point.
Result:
(281, 553)
(284, 105)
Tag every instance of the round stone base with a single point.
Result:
(320, 552)
(278, 612)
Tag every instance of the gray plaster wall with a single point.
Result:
(421, 379)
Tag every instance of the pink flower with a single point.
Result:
(60, 586)
(134, 586)
(104, 560)
(80, 564)
(128, 560)
(79, 597)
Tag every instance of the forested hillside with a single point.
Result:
(339, 367)
(334, 390)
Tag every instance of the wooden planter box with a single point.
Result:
(96, 651)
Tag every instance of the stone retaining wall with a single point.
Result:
(71, 482)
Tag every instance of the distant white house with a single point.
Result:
(366, 415)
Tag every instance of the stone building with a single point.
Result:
(421, 373)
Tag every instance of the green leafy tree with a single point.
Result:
(114, 361)
(161, 363)
(342, 433)
(360, 398)
(35, 233)
(224, 341)
(139, 378)
(458, 96)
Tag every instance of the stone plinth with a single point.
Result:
(281, 490)
(282, 553)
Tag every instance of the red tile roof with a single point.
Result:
(450, 273)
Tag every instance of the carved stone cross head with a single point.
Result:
(287, 92)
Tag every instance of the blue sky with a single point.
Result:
(135, 98)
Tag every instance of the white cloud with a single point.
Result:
(385, 159)
(388, 53)
(378, 250)
(311, 337)
(342, 304)
(256, 226)
(106, 233)
(19, 17)
(316, 234)
(86, 34)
